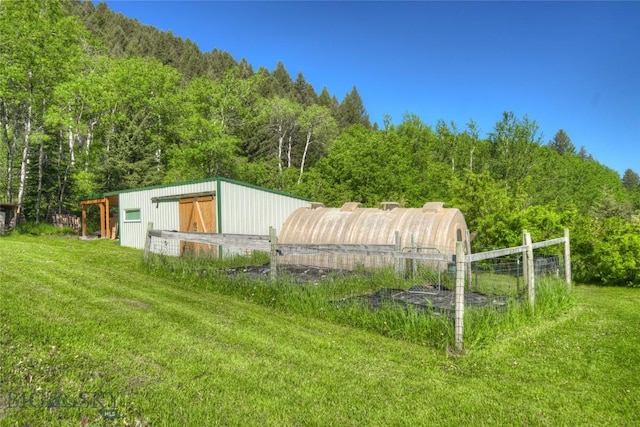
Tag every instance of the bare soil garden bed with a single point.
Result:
(428, 297)
(439, 299)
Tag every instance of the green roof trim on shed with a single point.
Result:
(212, 179)
(218, 207)
(100, 195)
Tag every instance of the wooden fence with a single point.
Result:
(66, 220)
(462, 260)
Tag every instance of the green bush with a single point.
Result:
(608, 251)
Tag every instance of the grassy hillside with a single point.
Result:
(84, 317)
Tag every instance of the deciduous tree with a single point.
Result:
(318, 127)
(513, 144)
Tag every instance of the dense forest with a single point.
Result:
(91, 101)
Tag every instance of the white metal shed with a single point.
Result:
(213, 205)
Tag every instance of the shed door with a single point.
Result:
(198, 214)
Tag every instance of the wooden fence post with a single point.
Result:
(84, 220)
(413, 263)
(525, 276)
(459, 296)
(399, 263)
(467, 247)
(147, 242)
(273, 265)
(528, 268)
(567, 258)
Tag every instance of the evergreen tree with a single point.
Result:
(191, 61)
(218, 63)
(630, 180)
(305, 95)
(328, 101)
(285, 87)
(561, 143)
(584, 155)
(351, 111)
(245, 69)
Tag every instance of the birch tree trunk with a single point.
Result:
(24, 163)
(72, 156)
(11, 142)
(304, 153)
(281, 136)
(62, 180)
(40, 174)
(87, 148)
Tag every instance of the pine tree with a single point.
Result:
(305, 95)
(283, 79)
(328, 101)
(245, 69)
(561, 143)
(631, 180)
(351, 111)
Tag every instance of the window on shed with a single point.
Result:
(132, 215)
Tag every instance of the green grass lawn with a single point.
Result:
(86, 317)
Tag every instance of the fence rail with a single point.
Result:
(496, 253)
(246, 241)
(304, 248)
(263, 243)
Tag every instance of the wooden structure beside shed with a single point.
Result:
(108, 224)
(8, 216)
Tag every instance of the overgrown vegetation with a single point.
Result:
(332, 299)
(88, 317)
(43, 229)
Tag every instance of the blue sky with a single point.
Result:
(569, 65)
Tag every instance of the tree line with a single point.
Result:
(91, 101)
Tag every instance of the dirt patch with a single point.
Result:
(298, 273)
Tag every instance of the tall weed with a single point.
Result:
(334, 299)
(43, 229)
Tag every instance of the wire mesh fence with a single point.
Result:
(168, 247)
(422, 278)
(500, 276)
(505, 275)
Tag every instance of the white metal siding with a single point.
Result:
(246, 210)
